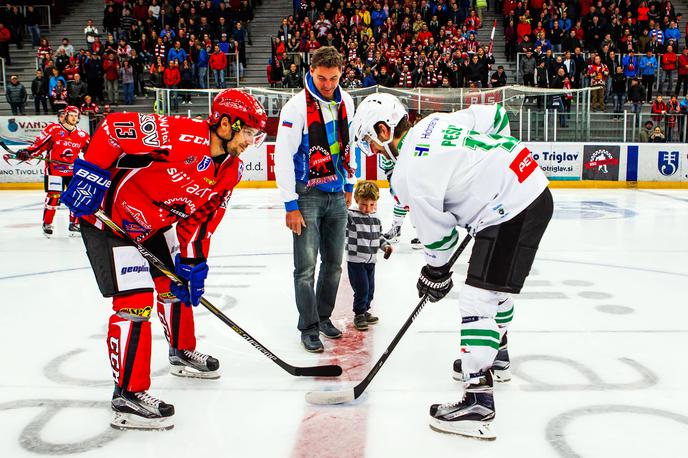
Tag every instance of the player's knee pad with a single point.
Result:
(129, 351)
(176, 318)
(478, 302)
(133, 307)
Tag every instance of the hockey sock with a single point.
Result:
(399, 214)
(479, 332)
(129, 341)
(176, 318)
(505, 313)
(52, 201)
(72, 218)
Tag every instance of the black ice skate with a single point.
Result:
(416, 244)
(74, 229)
(193, 364)
(47, 230)
(393, 234)
(139, 410)
(500, 366)
(472, 416)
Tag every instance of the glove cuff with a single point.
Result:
(92, 174)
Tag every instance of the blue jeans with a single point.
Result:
(325, 216)
(203, 77)
(619, 98)
(128, 89)
(362, 279)
(219, 78)
(35, 35)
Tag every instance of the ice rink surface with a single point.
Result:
(597, 344)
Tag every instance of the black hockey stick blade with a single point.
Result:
(329, 370)
(350, 394)
(316, 371)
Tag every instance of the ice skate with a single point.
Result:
(140, 411)
(193, 364)
(472, 416)
(47, 230)
(74, 230)
(416, 244)
(393, 234)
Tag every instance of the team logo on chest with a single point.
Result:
(204, 164)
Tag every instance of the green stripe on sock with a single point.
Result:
(479, 343)
(481, 333)
(505, 313)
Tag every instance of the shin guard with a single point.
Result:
(129, 341)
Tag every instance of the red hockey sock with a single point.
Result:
(129, 341)
(176, 318)
(52, 201)
(72, 218)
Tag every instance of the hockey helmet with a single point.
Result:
(374, 109)
(70, 109)
(243, 110)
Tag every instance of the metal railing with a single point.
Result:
(44, 14)
(4, 75)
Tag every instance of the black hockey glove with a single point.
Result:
(23, 155)
(436, 282)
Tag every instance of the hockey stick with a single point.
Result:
(348, 395)
(329, 370)
(13, 155)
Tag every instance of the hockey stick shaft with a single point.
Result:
(40, 158)
(349, 395)
(318, 371)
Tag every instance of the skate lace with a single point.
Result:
(196, 356)
(143, 396)
(451, 405)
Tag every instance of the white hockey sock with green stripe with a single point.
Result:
(480, 334)
(399, 214)
(505, 313)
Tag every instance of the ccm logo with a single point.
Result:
(194, 139)
(93, 178)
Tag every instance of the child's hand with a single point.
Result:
(388, 251)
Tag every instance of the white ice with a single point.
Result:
(596, 344)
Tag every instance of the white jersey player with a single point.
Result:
(463, 169)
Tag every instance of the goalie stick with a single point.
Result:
(330, 370)
(350, 394)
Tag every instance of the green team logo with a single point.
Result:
(450, 135)
(422, 150)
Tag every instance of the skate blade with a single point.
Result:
(74, 234)
(482, 430)
(131, 422)
(189, 372)
(416, 247)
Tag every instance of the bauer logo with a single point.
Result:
(667, 162)
(134, 269)
(204, 164)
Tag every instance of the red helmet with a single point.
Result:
(71, 109)
(238, 106)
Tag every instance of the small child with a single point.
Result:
(364, 238)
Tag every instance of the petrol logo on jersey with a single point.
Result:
(421, 150)
(204, 164)
(523, 165)
(667, 162)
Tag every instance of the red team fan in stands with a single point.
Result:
(62, 142)
(148, 172)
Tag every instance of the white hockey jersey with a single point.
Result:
(463, 169)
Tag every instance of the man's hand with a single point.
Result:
(295, 221)
(348, 196)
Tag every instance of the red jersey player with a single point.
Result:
(62, 142)
(166, 180)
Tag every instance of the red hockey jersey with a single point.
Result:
(61, 146)
(163, 173)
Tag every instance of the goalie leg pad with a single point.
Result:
(129, 341)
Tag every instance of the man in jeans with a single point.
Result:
(314, 174)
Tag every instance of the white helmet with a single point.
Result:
(373, 109)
